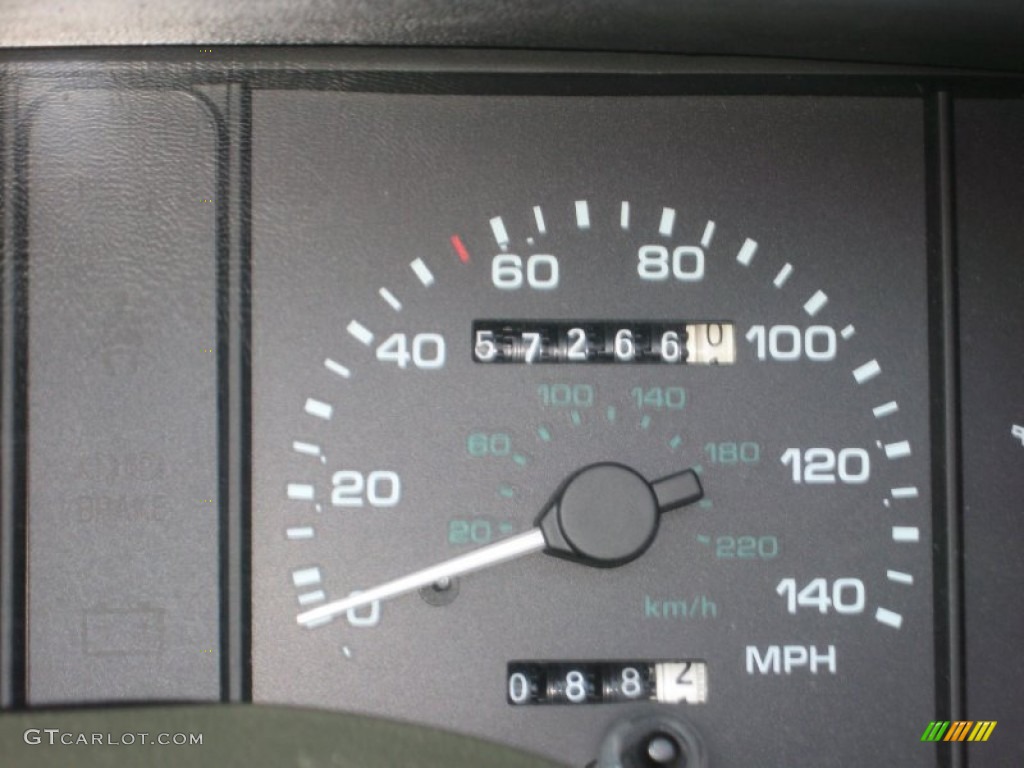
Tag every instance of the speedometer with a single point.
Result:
(594, 446)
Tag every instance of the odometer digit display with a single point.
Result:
(574, 341)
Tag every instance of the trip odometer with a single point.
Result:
(590, 471)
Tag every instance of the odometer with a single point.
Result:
(721, 441)
(574, 341)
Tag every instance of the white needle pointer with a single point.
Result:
(492, 554)
(604, 515)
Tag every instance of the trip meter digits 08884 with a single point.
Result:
(593, 470)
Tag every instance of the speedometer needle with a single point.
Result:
(604, 515)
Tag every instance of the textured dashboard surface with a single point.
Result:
(963, 33)
(990, 191)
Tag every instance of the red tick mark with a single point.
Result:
(460, 249)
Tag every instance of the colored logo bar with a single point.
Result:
(958, 730)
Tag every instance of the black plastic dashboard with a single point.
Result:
(258, 300)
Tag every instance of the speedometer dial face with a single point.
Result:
(671, 400)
